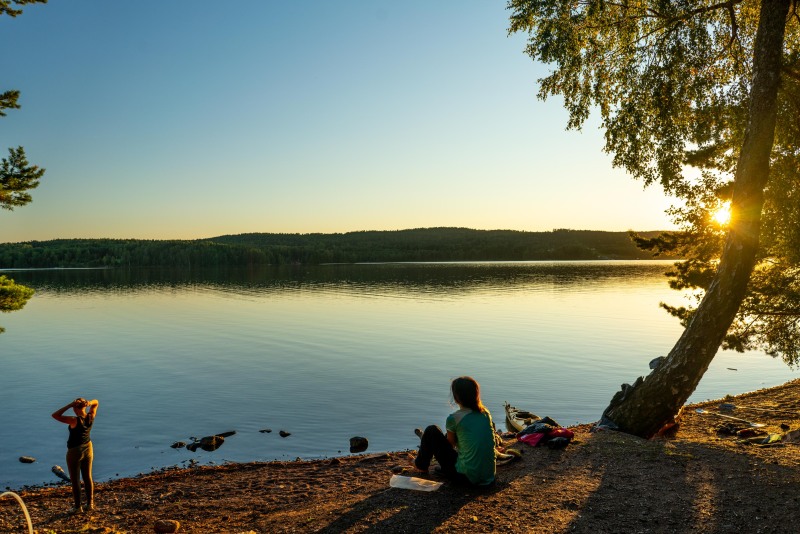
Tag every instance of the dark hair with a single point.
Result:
(467, 392)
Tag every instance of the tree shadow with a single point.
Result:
(400, 510)
(690, 488)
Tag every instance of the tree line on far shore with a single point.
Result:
(423, 244)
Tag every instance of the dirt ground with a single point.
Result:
(700, 480)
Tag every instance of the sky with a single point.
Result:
(188, 119)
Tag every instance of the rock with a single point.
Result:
(227, 434)
(178, 445)
(655, 362)
(59, 472)
(284, 434)
(266, 430)
(166, 526)
(27, 459)
(358, 444)
(334, 461)
(207, 443)
(211, 443)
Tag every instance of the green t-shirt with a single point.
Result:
(475, 441)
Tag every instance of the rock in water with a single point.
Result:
(211, 443)
(178, 445)
(59, 472)
(27, 459)
(284, 433)
(207, 443)
(226, 434)
(358, 444)
(266, 430)
(166, 526)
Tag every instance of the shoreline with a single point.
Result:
(196, 464)
(696, 481)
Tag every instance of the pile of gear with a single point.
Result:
(547, 432)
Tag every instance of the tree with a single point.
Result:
(682, 85)
(17, 177)
(12, 296)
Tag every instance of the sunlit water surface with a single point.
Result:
(325, 353)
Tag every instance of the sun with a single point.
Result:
(722, 216)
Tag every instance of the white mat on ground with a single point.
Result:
(414, 483)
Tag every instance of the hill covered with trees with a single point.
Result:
(422, 244)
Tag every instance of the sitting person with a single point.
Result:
(467, 453)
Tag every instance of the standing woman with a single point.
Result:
(79, 448)
(466, 453)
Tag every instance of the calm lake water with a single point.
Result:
(325, 353)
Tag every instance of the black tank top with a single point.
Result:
(80, 434)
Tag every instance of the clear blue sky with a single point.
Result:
(185, 119)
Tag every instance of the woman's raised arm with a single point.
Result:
(58, 415)
(91, 409)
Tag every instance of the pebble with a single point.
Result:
(284, 433)
(27, 459)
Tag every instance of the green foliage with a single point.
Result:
(664, 76)
(17, 177)
(12, 296)
(8, 100)
(671, 82)
(12, 7)
(429, 244)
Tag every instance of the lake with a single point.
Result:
(325, 353)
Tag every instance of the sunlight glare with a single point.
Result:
(722, 216)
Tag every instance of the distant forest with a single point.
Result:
(424, 244)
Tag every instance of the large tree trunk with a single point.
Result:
(643, 408)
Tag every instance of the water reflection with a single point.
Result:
(415, 278)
